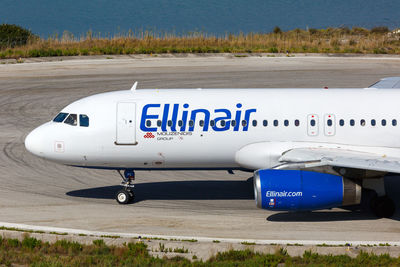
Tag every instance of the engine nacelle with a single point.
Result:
(303, 190)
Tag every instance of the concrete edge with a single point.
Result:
(49, 229)
(200, 55)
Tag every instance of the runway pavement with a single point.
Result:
(186, 203)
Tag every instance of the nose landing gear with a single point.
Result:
(126, 195)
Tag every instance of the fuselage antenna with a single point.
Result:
(134, 87)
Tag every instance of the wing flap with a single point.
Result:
(387, 83)
(341, 158)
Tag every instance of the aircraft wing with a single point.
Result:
(387, 83)
(316, 157)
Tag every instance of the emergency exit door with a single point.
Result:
(126, 123)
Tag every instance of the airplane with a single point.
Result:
(309, 149)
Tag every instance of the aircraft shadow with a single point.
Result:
(176, 190)
(224, 190)
(349, 213)
(322, 216)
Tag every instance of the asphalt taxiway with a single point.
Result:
(172, 203)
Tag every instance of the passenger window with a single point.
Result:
(83, 120)
(169, 123)
(362, 122)
(254, 123)
(394, 122)
(71, 119)
(191, 123)
(223, 123)
(276, 123)
(329, 122)
(159, 123)
(201, 123)
(244, 123)
(341, 122)
(312, 122)
(373, 122)
(212, 123)
(383, 122)
(352, 122)
(265, 123)
(60, 117)
(296, 123)
(233, 123)
(148, 123)
(286, 122)
(180, 123)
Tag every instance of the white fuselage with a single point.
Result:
(152, 129)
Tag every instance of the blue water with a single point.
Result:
(47, 17)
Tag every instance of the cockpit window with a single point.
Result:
(83, 120)
(60, 117)
(71, 119)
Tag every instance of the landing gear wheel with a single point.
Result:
(383, 207)
(124, 196)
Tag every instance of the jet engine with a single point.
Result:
(292, 190)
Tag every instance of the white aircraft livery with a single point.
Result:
(308, 148)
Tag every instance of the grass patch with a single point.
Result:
(189, 240)
(31, 243)
(248, 243)
(152, 238)
(162, 248)
(33, 252)
(99, 242)
(331, 40)
(181, 250)
(58, 233)
(21, 230)
(110, 236)
(326, 245)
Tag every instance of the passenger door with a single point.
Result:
(126, 123)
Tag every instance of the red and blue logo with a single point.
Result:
(272, 202)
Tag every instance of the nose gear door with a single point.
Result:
(126, 123)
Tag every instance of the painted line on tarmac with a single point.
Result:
(49, 229)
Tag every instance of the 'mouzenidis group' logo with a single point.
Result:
(149, 135)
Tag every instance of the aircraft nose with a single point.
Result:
(34, 142)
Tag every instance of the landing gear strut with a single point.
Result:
(381, 205)
(126, 195)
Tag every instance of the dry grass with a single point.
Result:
(34, 252)
(331, 40)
